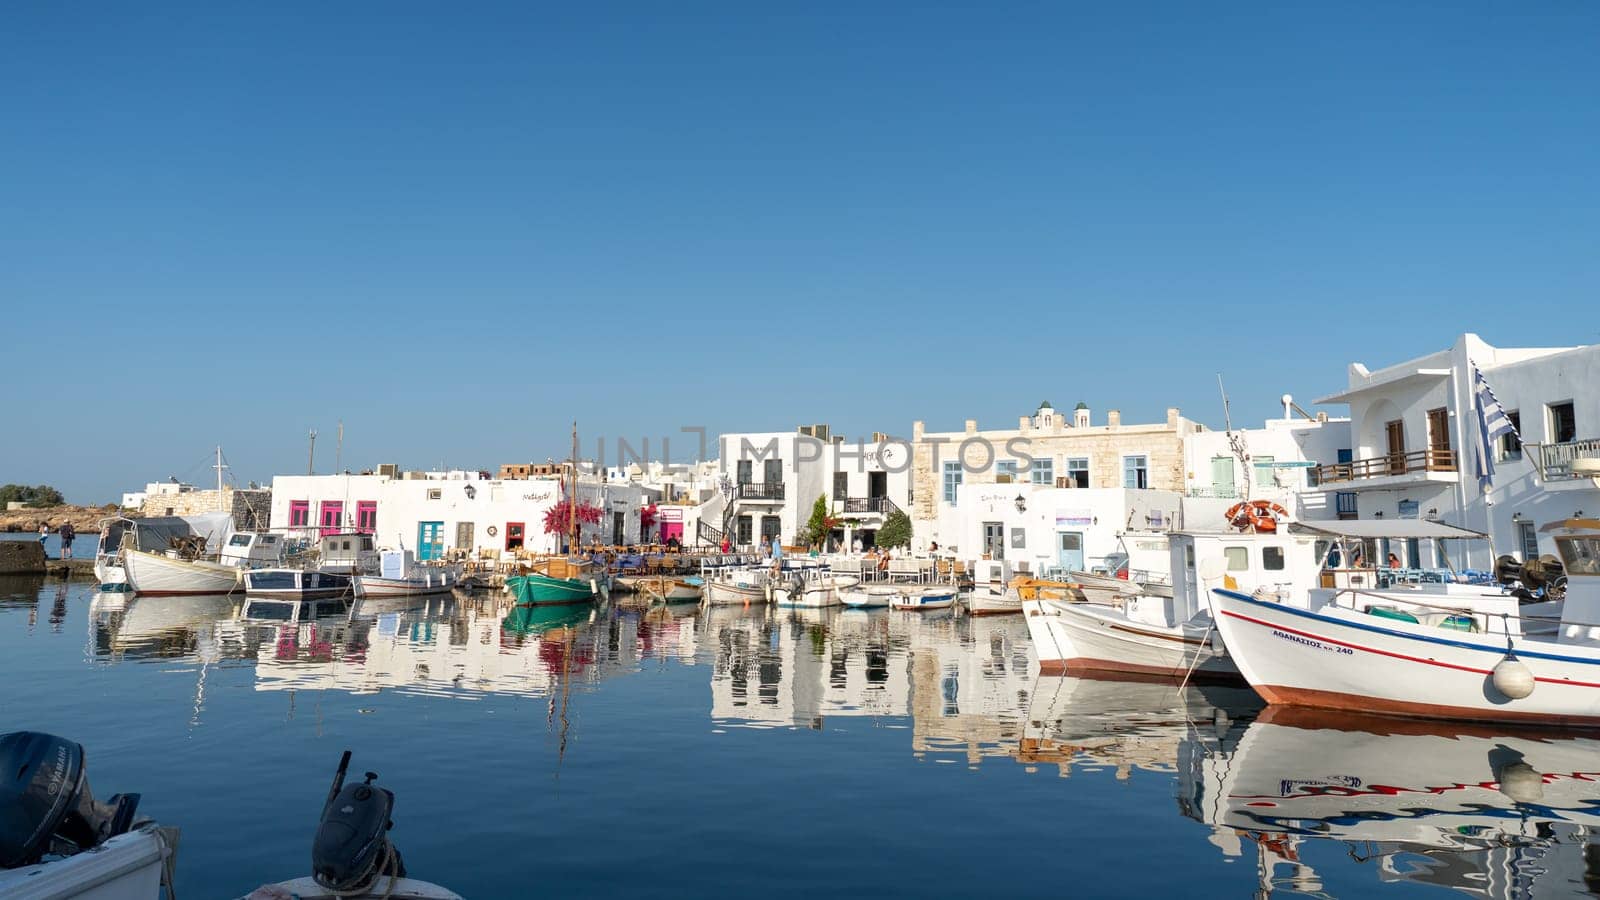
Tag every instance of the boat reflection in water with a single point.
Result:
(964, 682)
(1093, 724)
(1487, 810)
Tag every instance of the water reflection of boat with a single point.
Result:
(1126, 724)
(522, 619)
(1476, 808)
(138, 625)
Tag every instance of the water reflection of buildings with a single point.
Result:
(963, 681)
(446, 646)
(1476, 809)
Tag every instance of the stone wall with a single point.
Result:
(21, 557)
(251, 509)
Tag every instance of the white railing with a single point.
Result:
(1555, 460)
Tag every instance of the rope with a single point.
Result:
(380, 862)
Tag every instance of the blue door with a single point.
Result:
(1069, 550)
(430, 540)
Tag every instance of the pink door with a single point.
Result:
(330, 516)
(670, 530)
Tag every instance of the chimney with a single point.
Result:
(1172, 417)
(1024, 423)
(917, 428)
(1113, 418)
(972, 426)
(1080, 416)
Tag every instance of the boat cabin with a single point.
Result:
(252, 550)
(1578, 544)
(352, 553)
(1280, 565)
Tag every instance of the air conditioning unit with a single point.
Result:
(879, 437)
(392, 470)
(1002, 479)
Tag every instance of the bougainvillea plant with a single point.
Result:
(558, 518)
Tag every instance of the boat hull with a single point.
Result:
(818, 594)
(722, 593)
(993, 603)
(1083, 638)
(923, 600)
(158, 576)
(867, 598)
(128, 865)
(374, 587)
(297, 584)
(542, 590)
(1348, 660)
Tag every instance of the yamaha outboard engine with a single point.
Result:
(351, 849)
(45, 803)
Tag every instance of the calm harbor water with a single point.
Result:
(678, 752)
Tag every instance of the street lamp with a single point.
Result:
(1022, 504)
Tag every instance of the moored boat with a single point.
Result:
(534, 589)
(925, 598)
(814, 592)
(991, 601)
(737, 586)
(1454, 652)
(298, 584)
(876, 596)
(159, 575)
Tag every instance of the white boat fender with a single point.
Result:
(1521, 782)
(1512, 677)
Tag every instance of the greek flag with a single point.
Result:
(1492, 425)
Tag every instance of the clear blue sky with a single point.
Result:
(458, 227)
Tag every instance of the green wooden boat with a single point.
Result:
(534, 589)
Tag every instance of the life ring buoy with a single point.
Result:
(492, 530)
(1256, 515)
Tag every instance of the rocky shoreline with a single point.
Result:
(84, 519)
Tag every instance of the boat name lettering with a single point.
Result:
(1314, 644)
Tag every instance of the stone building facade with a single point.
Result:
(251, 509)
(1047, 448)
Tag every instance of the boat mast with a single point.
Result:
(572, 495)
(219, 467)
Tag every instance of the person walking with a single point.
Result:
(67, 533)
(44, 533)
(777, 555)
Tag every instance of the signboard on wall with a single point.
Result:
(1408, 509)
(1074, 518)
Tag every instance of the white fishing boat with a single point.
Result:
(924, 598)
(815, 591)
(875, 596)
(1452, 651)
(1104, 589)
(992, 601)
(160, 575)
(737, 586)
(399, 574)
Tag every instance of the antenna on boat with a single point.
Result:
(1235, 441)
(338, 451)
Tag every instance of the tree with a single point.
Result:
(36, 497)
(896, 530)
(821, 522)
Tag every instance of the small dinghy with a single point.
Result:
(991, 602)
(920, 599)
(351, 855)
(56, 840)
(873, 597)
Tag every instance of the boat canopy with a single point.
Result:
(1364, 529)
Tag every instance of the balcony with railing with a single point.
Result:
(1390, 470)
(1556, 463)
(883, 506)
(763, 490)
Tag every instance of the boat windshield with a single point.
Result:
(1580, 555)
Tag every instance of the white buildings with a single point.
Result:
(773, 480)
(436, 512)
(1415, 439)
(1046, 449)
(1279, 463)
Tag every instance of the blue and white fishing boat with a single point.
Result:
(924, 598)
(877, 596)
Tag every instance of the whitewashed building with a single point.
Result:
(1046, 450)
(433, 513)
(1036, 527)
(773, 479)
(1416, 437)
(1280, 459)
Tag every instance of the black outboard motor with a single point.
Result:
(351, 849)
(45, 802)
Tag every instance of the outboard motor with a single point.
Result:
(45, 802)
(351, 849)
(797, 586)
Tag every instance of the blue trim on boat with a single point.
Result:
(1521, 649)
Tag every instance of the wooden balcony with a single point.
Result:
(770, 490)
(1415, 462)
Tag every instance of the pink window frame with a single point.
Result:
(299, 513)
(330, 506)
(366, 516)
